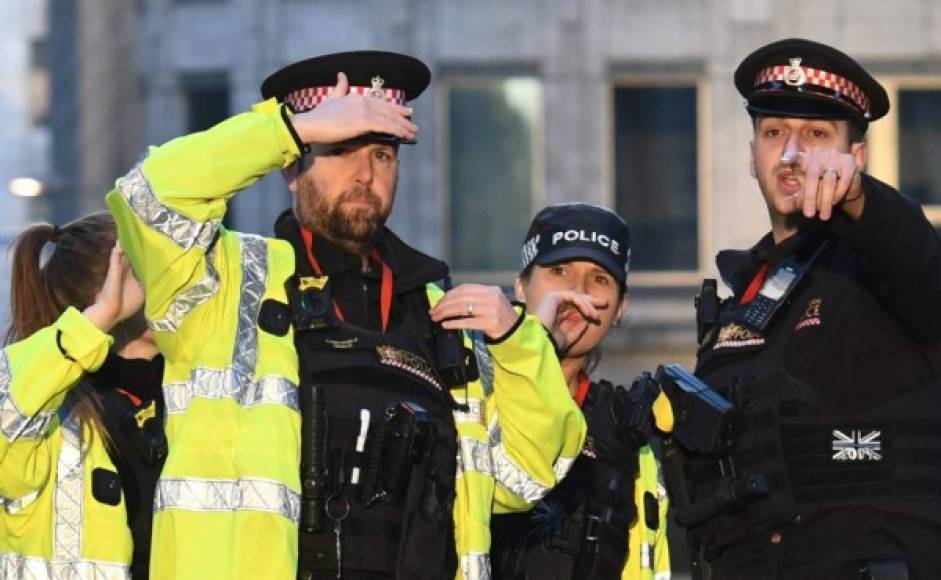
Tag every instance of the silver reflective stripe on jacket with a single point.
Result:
(224, 495)
(475, 566)
(473, 455)
(236, 382)
(511, 476)
(230, 384)
(16, 566)
(12, 506)
(190, 299)
(69, 494)
(184, 232)
(473, 413)
(13, 422)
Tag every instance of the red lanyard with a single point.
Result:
(583, 385)
(755, 286)
(385, 289)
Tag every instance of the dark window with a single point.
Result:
(656, 178)
(490, 159)
(207, 99)
(920, 144)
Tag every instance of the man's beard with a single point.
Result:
(354, 229)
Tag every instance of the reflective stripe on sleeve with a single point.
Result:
(13, 422)
(514, 478)
(189, 299)
(12, 506)
(226, 495)
(473, 455)
(475, 566)
(185, 232)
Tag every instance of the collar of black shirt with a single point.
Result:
(412, 269)
(140, 377)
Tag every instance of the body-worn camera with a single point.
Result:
(311, 303)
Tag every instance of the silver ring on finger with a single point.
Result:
(470, 308)
(833, 170)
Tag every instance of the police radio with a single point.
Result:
(782, 281)
(457, 364)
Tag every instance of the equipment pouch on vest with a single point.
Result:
(405, 438)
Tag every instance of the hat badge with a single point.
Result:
(794, 75)
(376, 89)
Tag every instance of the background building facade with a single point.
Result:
(626, 103)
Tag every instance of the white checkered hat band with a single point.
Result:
(820, 78)
(308, 98)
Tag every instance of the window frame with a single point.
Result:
(704, 195)
(883, 135)
(538, 174)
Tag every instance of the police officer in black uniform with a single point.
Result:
(829, 348)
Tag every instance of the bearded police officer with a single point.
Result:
(408, 435)
(828, 348)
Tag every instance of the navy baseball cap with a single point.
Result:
(579, 231)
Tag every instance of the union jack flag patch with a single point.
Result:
(852, 445)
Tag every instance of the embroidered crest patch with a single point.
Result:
(734, 335)
(811, 315)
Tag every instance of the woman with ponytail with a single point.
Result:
(81, 441)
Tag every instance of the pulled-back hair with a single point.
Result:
(54, 268)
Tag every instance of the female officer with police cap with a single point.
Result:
(607, 518)
(829, 347)
(404, 451)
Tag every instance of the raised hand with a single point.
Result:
(120, 295)
(831, 178)
(476, 307)
(567, 315)
(344, 115)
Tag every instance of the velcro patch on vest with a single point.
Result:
(857, 446)
(812, 315)
(734, 335)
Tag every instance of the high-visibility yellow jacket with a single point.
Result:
(51, 526)
(227, 503)
(648, 556)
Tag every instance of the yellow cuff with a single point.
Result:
(82, 340)
(273, 109)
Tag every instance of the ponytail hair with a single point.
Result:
(54, 268)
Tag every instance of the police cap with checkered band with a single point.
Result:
(303, 85)
(806, 79)
(579, 231)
